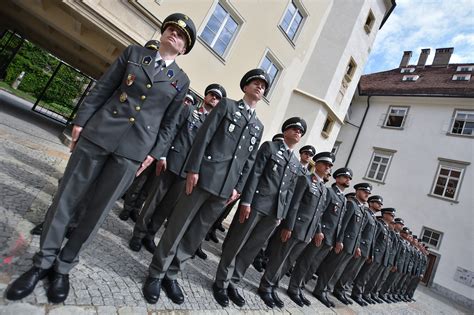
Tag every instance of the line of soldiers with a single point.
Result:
(192, 165)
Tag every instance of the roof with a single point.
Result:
(432, 81)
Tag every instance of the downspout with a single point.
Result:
(358, 131)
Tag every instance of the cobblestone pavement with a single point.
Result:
(109, 276)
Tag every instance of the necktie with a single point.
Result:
(158, 65)
(249, 113)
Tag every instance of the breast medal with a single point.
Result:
(231, 127)
(253, 140)
(123, 97)
(130, 79)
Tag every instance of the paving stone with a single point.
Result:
(72, 310)
(21, 308)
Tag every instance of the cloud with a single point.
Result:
(424, 24)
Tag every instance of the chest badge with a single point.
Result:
(146, 60)
(253, 140)
(231, 128)
(123, 97)
(130, 79)
(170, 73)
(251, 148)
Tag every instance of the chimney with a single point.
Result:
(442, 56)
(423, 56)
(405, 59)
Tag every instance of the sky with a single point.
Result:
(418, 24)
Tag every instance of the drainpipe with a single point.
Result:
(358, 131)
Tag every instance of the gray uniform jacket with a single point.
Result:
(224, 150)
(381, 241)
(306, 208)
(192, 120)
(131, 111)
(331, 219)
(353, 223)
(401, 254)
(393, 248)
(271, 183)
(367, 238)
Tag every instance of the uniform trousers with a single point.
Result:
(389, 283)
(307, 263)
(88, 165)
(139, 190)
(332, 267)
(362, 278)
(412, 286)
(349, 274)
(382, 279)
(374, 277)
(282, 257)
(165, 192)
(188, 224)
(242, 243)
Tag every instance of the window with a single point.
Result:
(463, 123)
(396, 117)
(272, 68)
(350, 70)
(220, 30)
(369, 22)
(327, 127)
(410, 77)
(407, 70)
(379, 164)
(464, 68)
(335, 148)
(448, 179)
(292, 20)
(431, 237)
(461, 77)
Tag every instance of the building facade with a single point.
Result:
(410, 132)
(314, 51)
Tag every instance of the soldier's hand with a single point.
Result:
(244, 213)
(338, 248)
(191, 182)
(160, 167)
(357, 253)
(234, 196)
(369, 260)
(76, 132)
(394, 269)
(147, 162)
(285, 235)
(318, 239)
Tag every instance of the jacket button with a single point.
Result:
(114, 112)
(137, 108)
(209, 157)
(131, 119)
(143, 97)
(148, 86)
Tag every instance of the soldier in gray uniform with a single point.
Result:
(217, 168)
(169, 185)
(398, 284)
(325, 230)
(118, 132)
(263, 204)
(306, 153)
(366, 251)
(347, 243)
(382, 253)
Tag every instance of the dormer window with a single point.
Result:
(407, 70)
(464, 69)
(410, 78)
(461, 77)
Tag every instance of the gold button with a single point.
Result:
(143, 97)
(148, 86)
(138, 108)
(131, 119)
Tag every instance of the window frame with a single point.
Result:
(335, 147)
(330, 125)
(402, 126)
(304, 14)
(368, 26)
(278, 65)
(231, 12)
(453, 120)
(451, 165)
(427, 229)
(464, 68)
(410, 78)
(466, 77)
(383, 153)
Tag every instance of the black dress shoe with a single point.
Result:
(338, 295)
(220, 295)
(134, 215)
(359, 300)
(323, 299)
(135, 244)
(346, 297)
(278, 302)
(367, 299)
(376, 298)
(149, 245)
(384, 298)
(172, 290)
(213, 236)
(304, 299)
(267, 298)
(69, 232)
(221, 228)
(58, 288)
(151, 289)
(234, 296)
(330, 301)
(296, 297)
(124, 215)
(26, 283)
(37, 230)
(257, 264)
(200, 253)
